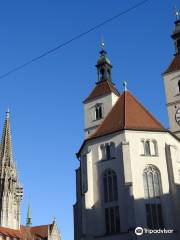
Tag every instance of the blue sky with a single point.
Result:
(45, 98)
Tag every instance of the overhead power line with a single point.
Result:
(13, 70)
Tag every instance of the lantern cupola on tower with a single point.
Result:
(103, 65)
(176, 33)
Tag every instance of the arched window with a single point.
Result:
(147, 148)
(152, 193)
(110, 186)
(98, 112)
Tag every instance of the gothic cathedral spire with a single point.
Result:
(11, 191)
(6, 148)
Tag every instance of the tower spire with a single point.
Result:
(29, 218)
(103, 65)
(11, 191)
(6, 145)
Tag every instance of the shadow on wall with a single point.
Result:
(139, 214)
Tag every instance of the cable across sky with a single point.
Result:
(48, 52)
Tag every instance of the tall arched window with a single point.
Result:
(152, 193)
(110, 186)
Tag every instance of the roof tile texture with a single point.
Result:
(127, 113)
(102, 88)
(26, 233)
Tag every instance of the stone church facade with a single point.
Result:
(11, 193)
(129, 164)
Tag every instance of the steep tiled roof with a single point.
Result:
(174, 65)
(102, 88)
(26, 233)
(127, 113)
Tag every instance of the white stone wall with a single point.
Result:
(129, 164)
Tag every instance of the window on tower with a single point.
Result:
(152, 195)
(98, 112)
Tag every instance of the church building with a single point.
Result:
(11, 193)
(129, 163)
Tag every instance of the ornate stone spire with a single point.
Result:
(11, 191)
(6, 146)
(29, 217)
(103, 65)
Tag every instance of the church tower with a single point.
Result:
(11, 191)
(172, 82)
(128, 164)
(102, 98)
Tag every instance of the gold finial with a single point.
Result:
(176, 13)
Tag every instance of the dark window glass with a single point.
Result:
(98, 112)
(147, 148)
(154, 216)
(112, 220)
(179, 85)
(110, 186)
(107, 222)
(108, 151)
(105, 189)
(148, 216)
(160, 217)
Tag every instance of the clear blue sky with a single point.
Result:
(45, 98)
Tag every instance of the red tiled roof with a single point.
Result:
(40, 231)
(101, 88)
(26, 233)
(10, 232)
(174, 65)
(127, 113)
